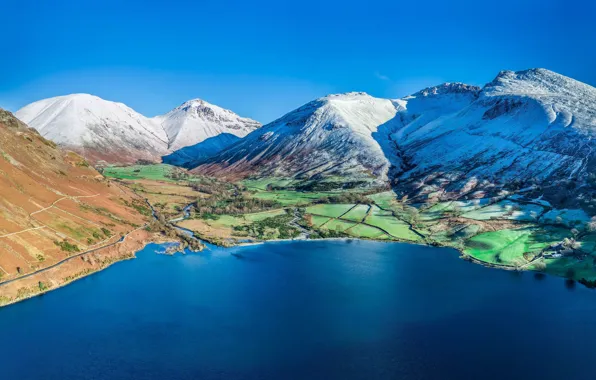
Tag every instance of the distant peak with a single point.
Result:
(528, 72)
(77, 96)
(448, 88)
(352, 94)
(194, 103)
(533, 82)
(528, 75)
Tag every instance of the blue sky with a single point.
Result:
(264, 58)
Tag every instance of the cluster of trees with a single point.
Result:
(347, 197)
(215, 187)
(66, 246)
(232, 204)
(160, 225)
(275, 227)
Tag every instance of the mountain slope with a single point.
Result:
(190, 156)
(196, 120)
(337, 134)
(533, 126)
(54, 205)
(96, 128)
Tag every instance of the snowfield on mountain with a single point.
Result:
(528, 127)
(334, 135)
(102, 130)
(196, 120)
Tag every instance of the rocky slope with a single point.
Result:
(107, 131)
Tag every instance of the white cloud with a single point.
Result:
(381, 76)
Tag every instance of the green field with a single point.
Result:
(362, 230)
(258, 216)
(330, 210)
(236, 220)
(318, 221)
(506, 247)
(357, 214)
(384, 200)
(292, 198)
(391, 225)
(338, 225)
(262, 183)
(156, 172)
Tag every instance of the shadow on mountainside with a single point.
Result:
(192, 156)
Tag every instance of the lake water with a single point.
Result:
(303, 310)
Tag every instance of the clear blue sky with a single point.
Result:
(264, 58)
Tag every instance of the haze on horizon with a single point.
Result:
(265, 58)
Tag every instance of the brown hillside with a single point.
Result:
(53, 205)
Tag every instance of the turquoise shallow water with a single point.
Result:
(303, 310)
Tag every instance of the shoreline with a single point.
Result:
(152, 240)
(29, 285)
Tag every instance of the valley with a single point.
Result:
(510, 232)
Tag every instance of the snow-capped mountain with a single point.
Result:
(96, 128)
(102, 130)
(532, 126)
(337, 134)
(528, 126)
(196, 120)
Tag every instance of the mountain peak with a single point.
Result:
(196, 120)
(537, 82)
(351, 94)
(447, 88)
(197, 102)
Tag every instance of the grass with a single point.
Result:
(157, 172)
(357, 214)
(262, 183)
(507, 247)
(259, 216)
(362, 230)
(392, 225)
(330, 210)
(338, 225)
(317, 221)
(292, 198)
(230, 221)
(385, 199)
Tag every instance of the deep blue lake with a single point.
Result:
(303, 310)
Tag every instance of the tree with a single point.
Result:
(591, 225)
(570, 274)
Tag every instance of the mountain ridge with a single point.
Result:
(527, 126)
(109, 131)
